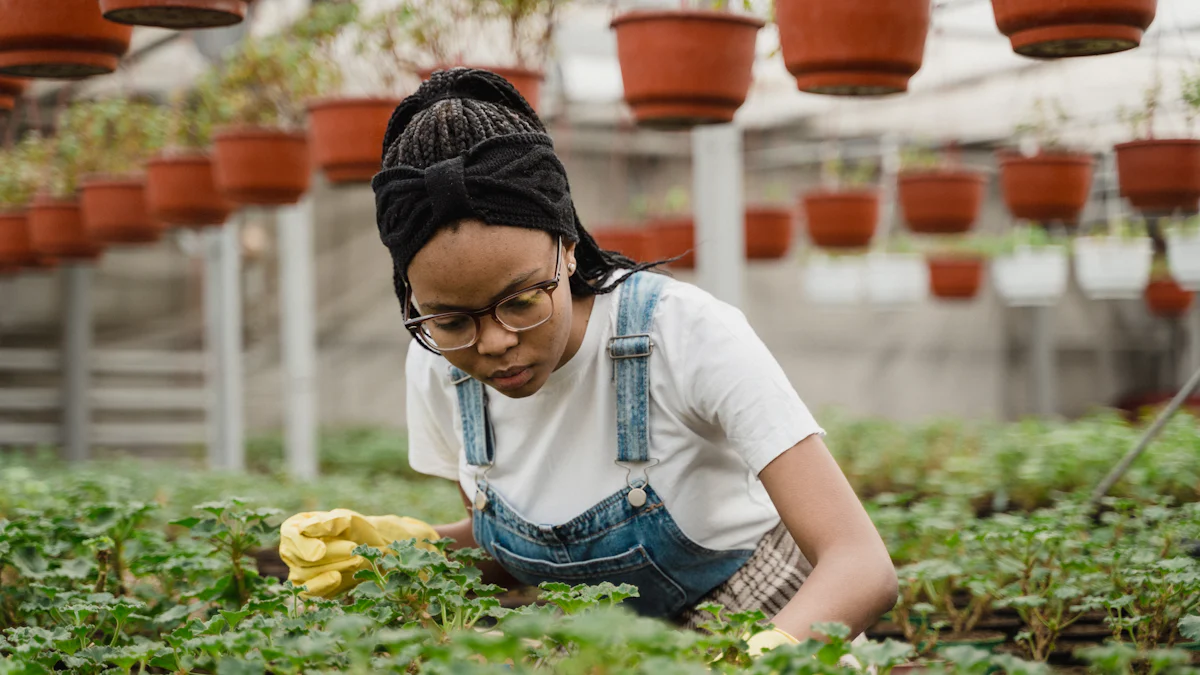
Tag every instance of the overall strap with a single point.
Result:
(476, 427)
(630, 351)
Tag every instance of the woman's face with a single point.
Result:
(472, 265)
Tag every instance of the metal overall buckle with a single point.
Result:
(637, 494)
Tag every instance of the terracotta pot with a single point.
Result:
(852, 47)
(528, 83)
(842, 219)
(768, 232)
(945, 201)
(261, 166)
(64, 39)
(955, 277)
(1073, 27)
(56, 230)
(11, 89)
(675, 236)
(1166, 298)
(175, 14)
(634, 243)
(14, 238)
(1160, 176)
(685, 67)
(180, 191)
(1046, 187)
(41, 262)
(347, 136)
(114, 210)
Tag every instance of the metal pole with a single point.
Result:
(1043, 362)
(76, 361)
(213, 331)
(232, 396)
(889, 153)
(298, 332)
(719, 210)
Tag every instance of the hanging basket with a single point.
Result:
(852, 47)
(1166, 298)
(261, 166)
(63, 39)
(1047, 187)
(955, 277)
(832, 280)
(11, 89)
(114, 210)
(1066, 28)
(1183, 259)
(841, 219)
(14, 238)
(175, 14)
(896, 279)
(527, 82)
(180, 191)
(945, 201)
(633, 243)
(768, 232)
(675, 237)
(682, 68)
(1031, 277)
(347, 136)
(1160, 176)
(56, 230)
(1113, 269)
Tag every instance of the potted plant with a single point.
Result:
(56, 228)
(175, 14)
(1163, 296)
(18, 181)
(852, 47)
(115, 137)
(635, 243)
(180, 187)
(688, 66)
(1161, 175)
(1030, 269)
(937, 196)
(897, 275)
(844, 212)
(674, 229)
(1183, 251)
(769, 228)
(956, 266)
(1114, 265)
(11, 89)
(1045, 182)
(1073, 27)
(64, 39)
(834, 278)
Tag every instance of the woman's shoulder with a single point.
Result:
(426, 371)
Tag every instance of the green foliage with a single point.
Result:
(191, 117)
(918, 158)
(1190, 92)
(20, 172)
(1141, 119)
(1045, 125)
(112, 136)
(839, 174)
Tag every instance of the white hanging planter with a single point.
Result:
(896, 279)
(1183, 259)
(1031, 277)
(1109, 268)
(834, 280)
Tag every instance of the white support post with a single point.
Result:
(719, 211)
(76, 364)
(213, 331)
(889, 154)
(298, 332)
(228, 334)
(1043, 362)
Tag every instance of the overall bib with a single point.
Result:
(629, 537)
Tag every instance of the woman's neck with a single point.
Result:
(581, 316)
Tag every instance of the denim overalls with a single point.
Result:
(628, 537)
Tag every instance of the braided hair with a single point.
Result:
(459, 108)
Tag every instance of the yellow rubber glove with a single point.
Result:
(317, 546)
(768, 640)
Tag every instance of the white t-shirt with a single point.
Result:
(721, 410)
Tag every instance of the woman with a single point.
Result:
(604, 423)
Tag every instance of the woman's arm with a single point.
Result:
(853, 580)
(463, 536)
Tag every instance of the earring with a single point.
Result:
(571, 268)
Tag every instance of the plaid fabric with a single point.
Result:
(768, 580)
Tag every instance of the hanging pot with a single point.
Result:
(261, 166)
(955, 277)
(1113, 269)
(944, 201)
(1160, 176)
(1183, 258)
(1031, 277)
(180, 191)
(11, 89)
(896, 279)
(347, 136)
(834, 280)
(63, 39)
(175, 14)
(852, 47)
(675, 236)
(56, 230)
(842, 219)
(14, 238)
(633, 243)
(527, 82)
(1047, 187)
(1166, 298)
(685, 67)
(114, 210)
(768, 232)
(1065, 28)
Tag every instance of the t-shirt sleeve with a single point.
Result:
(432, 443)
(728, 378)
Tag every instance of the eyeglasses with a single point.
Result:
(523, 310)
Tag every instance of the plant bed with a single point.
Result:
(682, 68)
(114, 210)
(768, 232)
(65, 39)
(941, 201)
(347, 136)
(841, 219)
(180, 190)
(1160, 176)
(1070, 28)
(1048, 187)
(261, 166)
(175, 14)
(852, 47)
